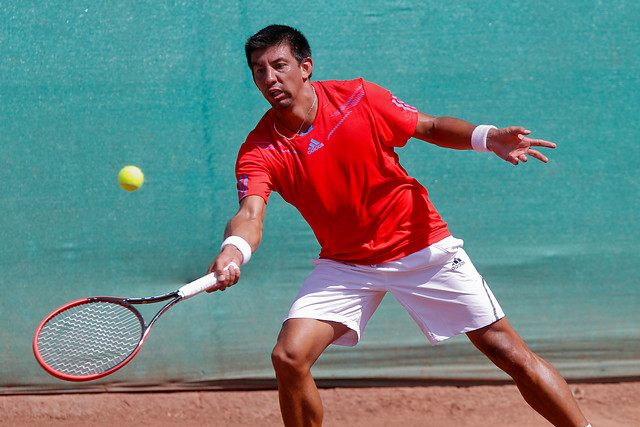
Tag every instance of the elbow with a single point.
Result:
(425, 127)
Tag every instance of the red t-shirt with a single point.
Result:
(344, 176)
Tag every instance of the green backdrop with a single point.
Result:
(89, 87)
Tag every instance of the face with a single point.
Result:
(278, 75)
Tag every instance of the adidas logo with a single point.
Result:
(457, 263)
(314, 146)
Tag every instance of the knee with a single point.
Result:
(507, 350)
(288, 363)
(517, 362)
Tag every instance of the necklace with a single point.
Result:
(315, 98)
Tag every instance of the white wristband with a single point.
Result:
(479, 137)
(243, 246)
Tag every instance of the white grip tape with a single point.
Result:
(479, 137)
(200, 285)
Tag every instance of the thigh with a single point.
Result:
(443, 292)
(341, 293)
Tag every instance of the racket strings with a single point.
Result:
(90, 338)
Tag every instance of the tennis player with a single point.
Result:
(328, 149)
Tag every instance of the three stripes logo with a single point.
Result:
(243, 185)
(314, 146)
(457, 263)
(402, 105)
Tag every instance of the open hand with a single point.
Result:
(512, 144)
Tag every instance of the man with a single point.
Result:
(328, 149)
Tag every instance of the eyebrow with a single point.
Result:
(280, 59)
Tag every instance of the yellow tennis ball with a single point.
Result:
(130, 178)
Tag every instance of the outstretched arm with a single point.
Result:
(246, 224)
(510, 144)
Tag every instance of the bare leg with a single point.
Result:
(544, 389)
(300, 343)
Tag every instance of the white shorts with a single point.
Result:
(439, 287)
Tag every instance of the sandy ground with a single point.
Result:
(606, 405)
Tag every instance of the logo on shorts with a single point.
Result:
(457, 263)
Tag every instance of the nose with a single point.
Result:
(269, 76)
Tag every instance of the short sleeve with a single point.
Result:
(253, 179)
(395, 120)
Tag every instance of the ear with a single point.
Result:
(307, 68)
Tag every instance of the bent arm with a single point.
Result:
(248, 221)
(247, 224)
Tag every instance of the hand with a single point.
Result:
(512, 144)
(226, 268)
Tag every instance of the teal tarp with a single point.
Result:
(87, 88)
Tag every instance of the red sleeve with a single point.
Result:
(395, 120)
(253, 179)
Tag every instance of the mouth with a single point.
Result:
(275, 94)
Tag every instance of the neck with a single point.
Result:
(301, 114)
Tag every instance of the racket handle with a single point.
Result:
(200, 285)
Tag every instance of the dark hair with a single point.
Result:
(275, 35)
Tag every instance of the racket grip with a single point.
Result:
(200, 285)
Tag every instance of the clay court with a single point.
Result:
(605, 404)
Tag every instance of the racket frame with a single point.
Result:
(125, 302)
(187, 291)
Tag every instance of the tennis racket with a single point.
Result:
(93, 337)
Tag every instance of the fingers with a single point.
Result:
(521, 133)
(519, 130)
(540, 143)
(523, 157)
(514, 146)
(538, 155)
(229, 276)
